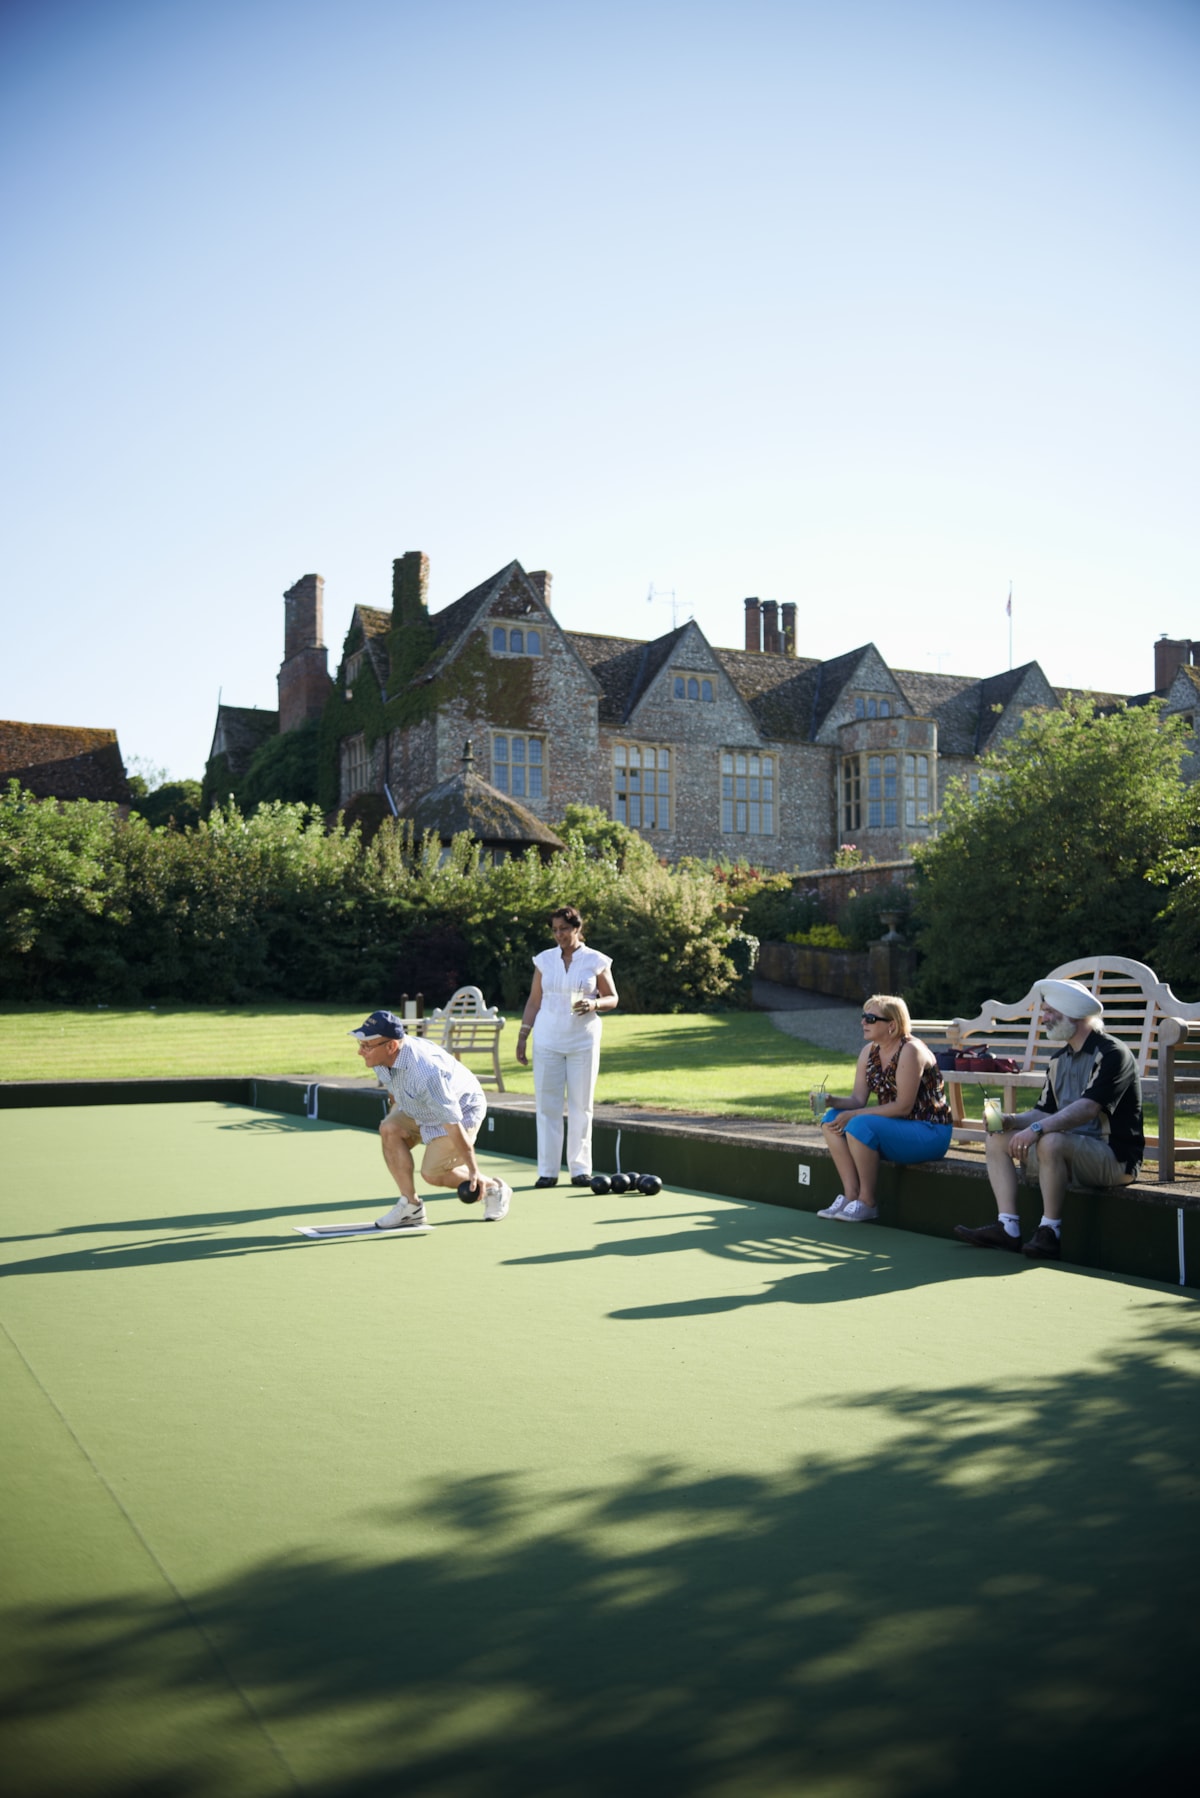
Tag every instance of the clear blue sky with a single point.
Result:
(874, 307)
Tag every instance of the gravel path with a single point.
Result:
(829, 1023)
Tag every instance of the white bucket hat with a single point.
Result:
(1070, 997)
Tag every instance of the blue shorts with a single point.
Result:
(898, 1139)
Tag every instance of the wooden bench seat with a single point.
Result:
(1139, 1009)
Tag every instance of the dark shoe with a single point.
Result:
(544, 1180)
(989, 1236)
(1043, 1245)
(581, 1179)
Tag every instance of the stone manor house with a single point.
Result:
(755, 753)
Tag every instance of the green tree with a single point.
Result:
(175, 803)
(1050, 859)
(281, 768)
(1179, 921)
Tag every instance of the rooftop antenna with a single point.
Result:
(939, 656)
(663, 596)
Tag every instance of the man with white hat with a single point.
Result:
(434, 1100)
(1086, 1125)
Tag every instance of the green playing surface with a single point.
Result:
(678, 1495)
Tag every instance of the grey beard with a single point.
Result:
(1063, 1031)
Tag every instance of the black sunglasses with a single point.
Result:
(872, 1017)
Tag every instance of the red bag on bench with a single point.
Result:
(986, 1063)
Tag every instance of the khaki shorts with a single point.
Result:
(441, 1155)
(1091, 1161)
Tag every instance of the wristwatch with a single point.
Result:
(1036, 1129)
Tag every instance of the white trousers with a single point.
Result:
(573, 1072)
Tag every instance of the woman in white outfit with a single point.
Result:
(572, 984)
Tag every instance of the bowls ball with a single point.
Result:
(650, 1184)
(470, 1195)
(601, 1184)
(619, 1183)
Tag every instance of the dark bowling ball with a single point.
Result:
(470, 1195)
(650, 1184)
(601, 1184)
(619, 1183)
(633, 1180)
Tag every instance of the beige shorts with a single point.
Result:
(1091, 1161)
(442, 1155)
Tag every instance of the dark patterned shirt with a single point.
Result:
(930, 1106)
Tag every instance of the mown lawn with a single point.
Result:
(729, 1062)
(735, 1063)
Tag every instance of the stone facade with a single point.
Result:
(754, 753)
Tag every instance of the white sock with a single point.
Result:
(1054, 1223)
(1011, 1222)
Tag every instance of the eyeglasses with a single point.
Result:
(872, 1017)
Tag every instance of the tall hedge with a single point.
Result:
(99, 909)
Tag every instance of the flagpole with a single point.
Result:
(1008, 608)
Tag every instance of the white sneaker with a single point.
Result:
(857, 1213)
(403, 1216)
(496, 1199)
(836, 1209)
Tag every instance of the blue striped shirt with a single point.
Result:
(433, 1089)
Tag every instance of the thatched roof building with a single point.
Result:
(465, 802)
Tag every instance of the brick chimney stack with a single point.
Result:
(543, 582)
(770, 627)
(787, 612)
(1170, 655)
(304, 616)
(303, 678)
(753, 626)
(410, 588)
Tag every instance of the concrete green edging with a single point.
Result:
(1117, 1232)
(20, 1095)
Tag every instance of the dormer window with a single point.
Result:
(516, 640)
(350, 672)
(693, 686)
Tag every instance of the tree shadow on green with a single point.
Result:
(820, 1266)
(1002, 1597)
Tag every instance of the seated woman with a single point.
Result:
(910, 1120)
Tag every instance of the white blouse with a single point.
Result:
(556, 1025)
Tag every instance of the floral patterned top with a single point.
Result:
(930, 1106)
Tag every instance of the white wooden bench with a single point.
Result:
(1139, 1008)
(469, 1026)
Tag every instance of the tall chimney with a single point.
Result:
(753, 626)
(1170, 655)
(542, 581)
(410, 585)
(304, 616)
(770, 627)
(303, 678)
(787, 612)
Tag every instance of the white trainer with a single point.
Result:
(836, 1209)
(857, 1213)
(496, 1200)
(403, 1216)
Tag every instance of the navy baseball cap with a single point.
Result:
(380, 1023)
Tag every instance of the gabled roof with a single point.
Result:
(238, 732)
(964, 707)
(63, 761)
(778, 690)
(623, 667)
(834, 677)
(373, 622)
(457, 621)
